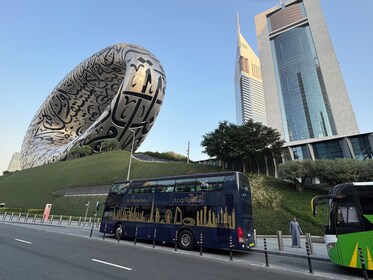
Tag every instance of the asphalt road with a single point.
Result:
(43, 252)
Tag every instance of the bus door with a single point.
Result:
(347, 221)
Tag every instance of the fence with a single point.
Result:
(60, 220)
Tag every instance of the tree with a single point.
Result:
(297, 172)
(109, 145)
(246, 144)
(337, 171)
(258, 142)
(80, 151)
(220, 142)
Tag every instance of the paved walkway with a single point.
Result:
(318, 245)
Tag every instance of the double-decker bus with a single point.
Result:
(216, 205)
(348, 223)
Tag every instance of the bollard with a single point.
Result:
(69, 223)
(134, 241)
(200, 243)
(26, 218)
(105, 228)
(280, 241)
(309, 258)
(51, 221)
(265, 252)
(154, 237)
(11, 217)
(4, 217)
(176, 241)
(89, 221)
(309, 241)
(98, 223)
(92, 224)
(60, 221)
(230, 248)
(19, 217)
(365, 274)
(79, 222)
(34, 219)
(255, 237)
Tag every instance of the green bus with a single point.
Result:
(348, 223)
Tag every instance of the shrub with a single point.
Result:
(10, 210)
(264, 196)
(35, 211)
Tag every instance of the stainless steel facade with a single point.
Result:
(114, 94)
(305, 94)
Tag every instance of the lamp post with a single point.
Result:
(86, 212)
(129, 164)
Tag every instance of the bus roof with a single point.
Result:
(337, 188)
(226, 173)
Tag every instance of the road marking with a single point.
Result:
(23, 241)
(112, 264)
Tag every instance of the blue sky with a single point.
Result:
(196, 41)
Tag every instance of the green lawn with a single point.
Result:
(33, 188)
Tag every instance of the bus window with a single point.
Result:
(148, 187)
(210, 183)
(119, 188)
(135, 187)
(244, 182)
(347, 214)
(166, 186)
(230, 182)
(365, 195)
(186, 185)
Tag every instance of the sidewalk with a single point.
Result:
(319, 249)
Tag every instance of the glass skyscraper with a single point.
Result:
(305, 94)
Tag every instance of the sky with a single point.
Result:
(195, 41)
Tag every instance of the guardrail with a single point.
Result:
(60, 220)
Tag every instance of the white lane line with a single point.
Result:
(112, 264)
(23, 241)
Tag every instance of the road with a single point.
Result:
(42, 252)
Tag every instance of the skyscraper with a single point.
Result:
(305, 94)
(248, 84)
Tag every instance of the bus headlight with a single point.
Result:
(329, 247)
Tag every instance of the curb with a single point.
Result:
(289, 254)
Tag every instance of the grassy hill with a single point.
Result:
(33, 188)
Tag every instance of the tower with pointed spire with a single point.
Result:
(248, 83)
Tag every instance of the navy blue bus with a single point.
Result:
(216, 205)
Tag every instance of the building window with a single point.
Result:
(361, 147)
(301, 153)
(328, 150)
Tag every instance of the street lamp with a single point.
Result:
(86, 212)
(129, 164)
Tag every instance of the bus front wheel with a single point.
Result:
(186, 240)
(119, 231)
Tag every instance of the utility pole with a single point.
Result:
(129, 164)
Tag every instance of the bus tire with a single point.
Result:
(119, 231)
(186, 240)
